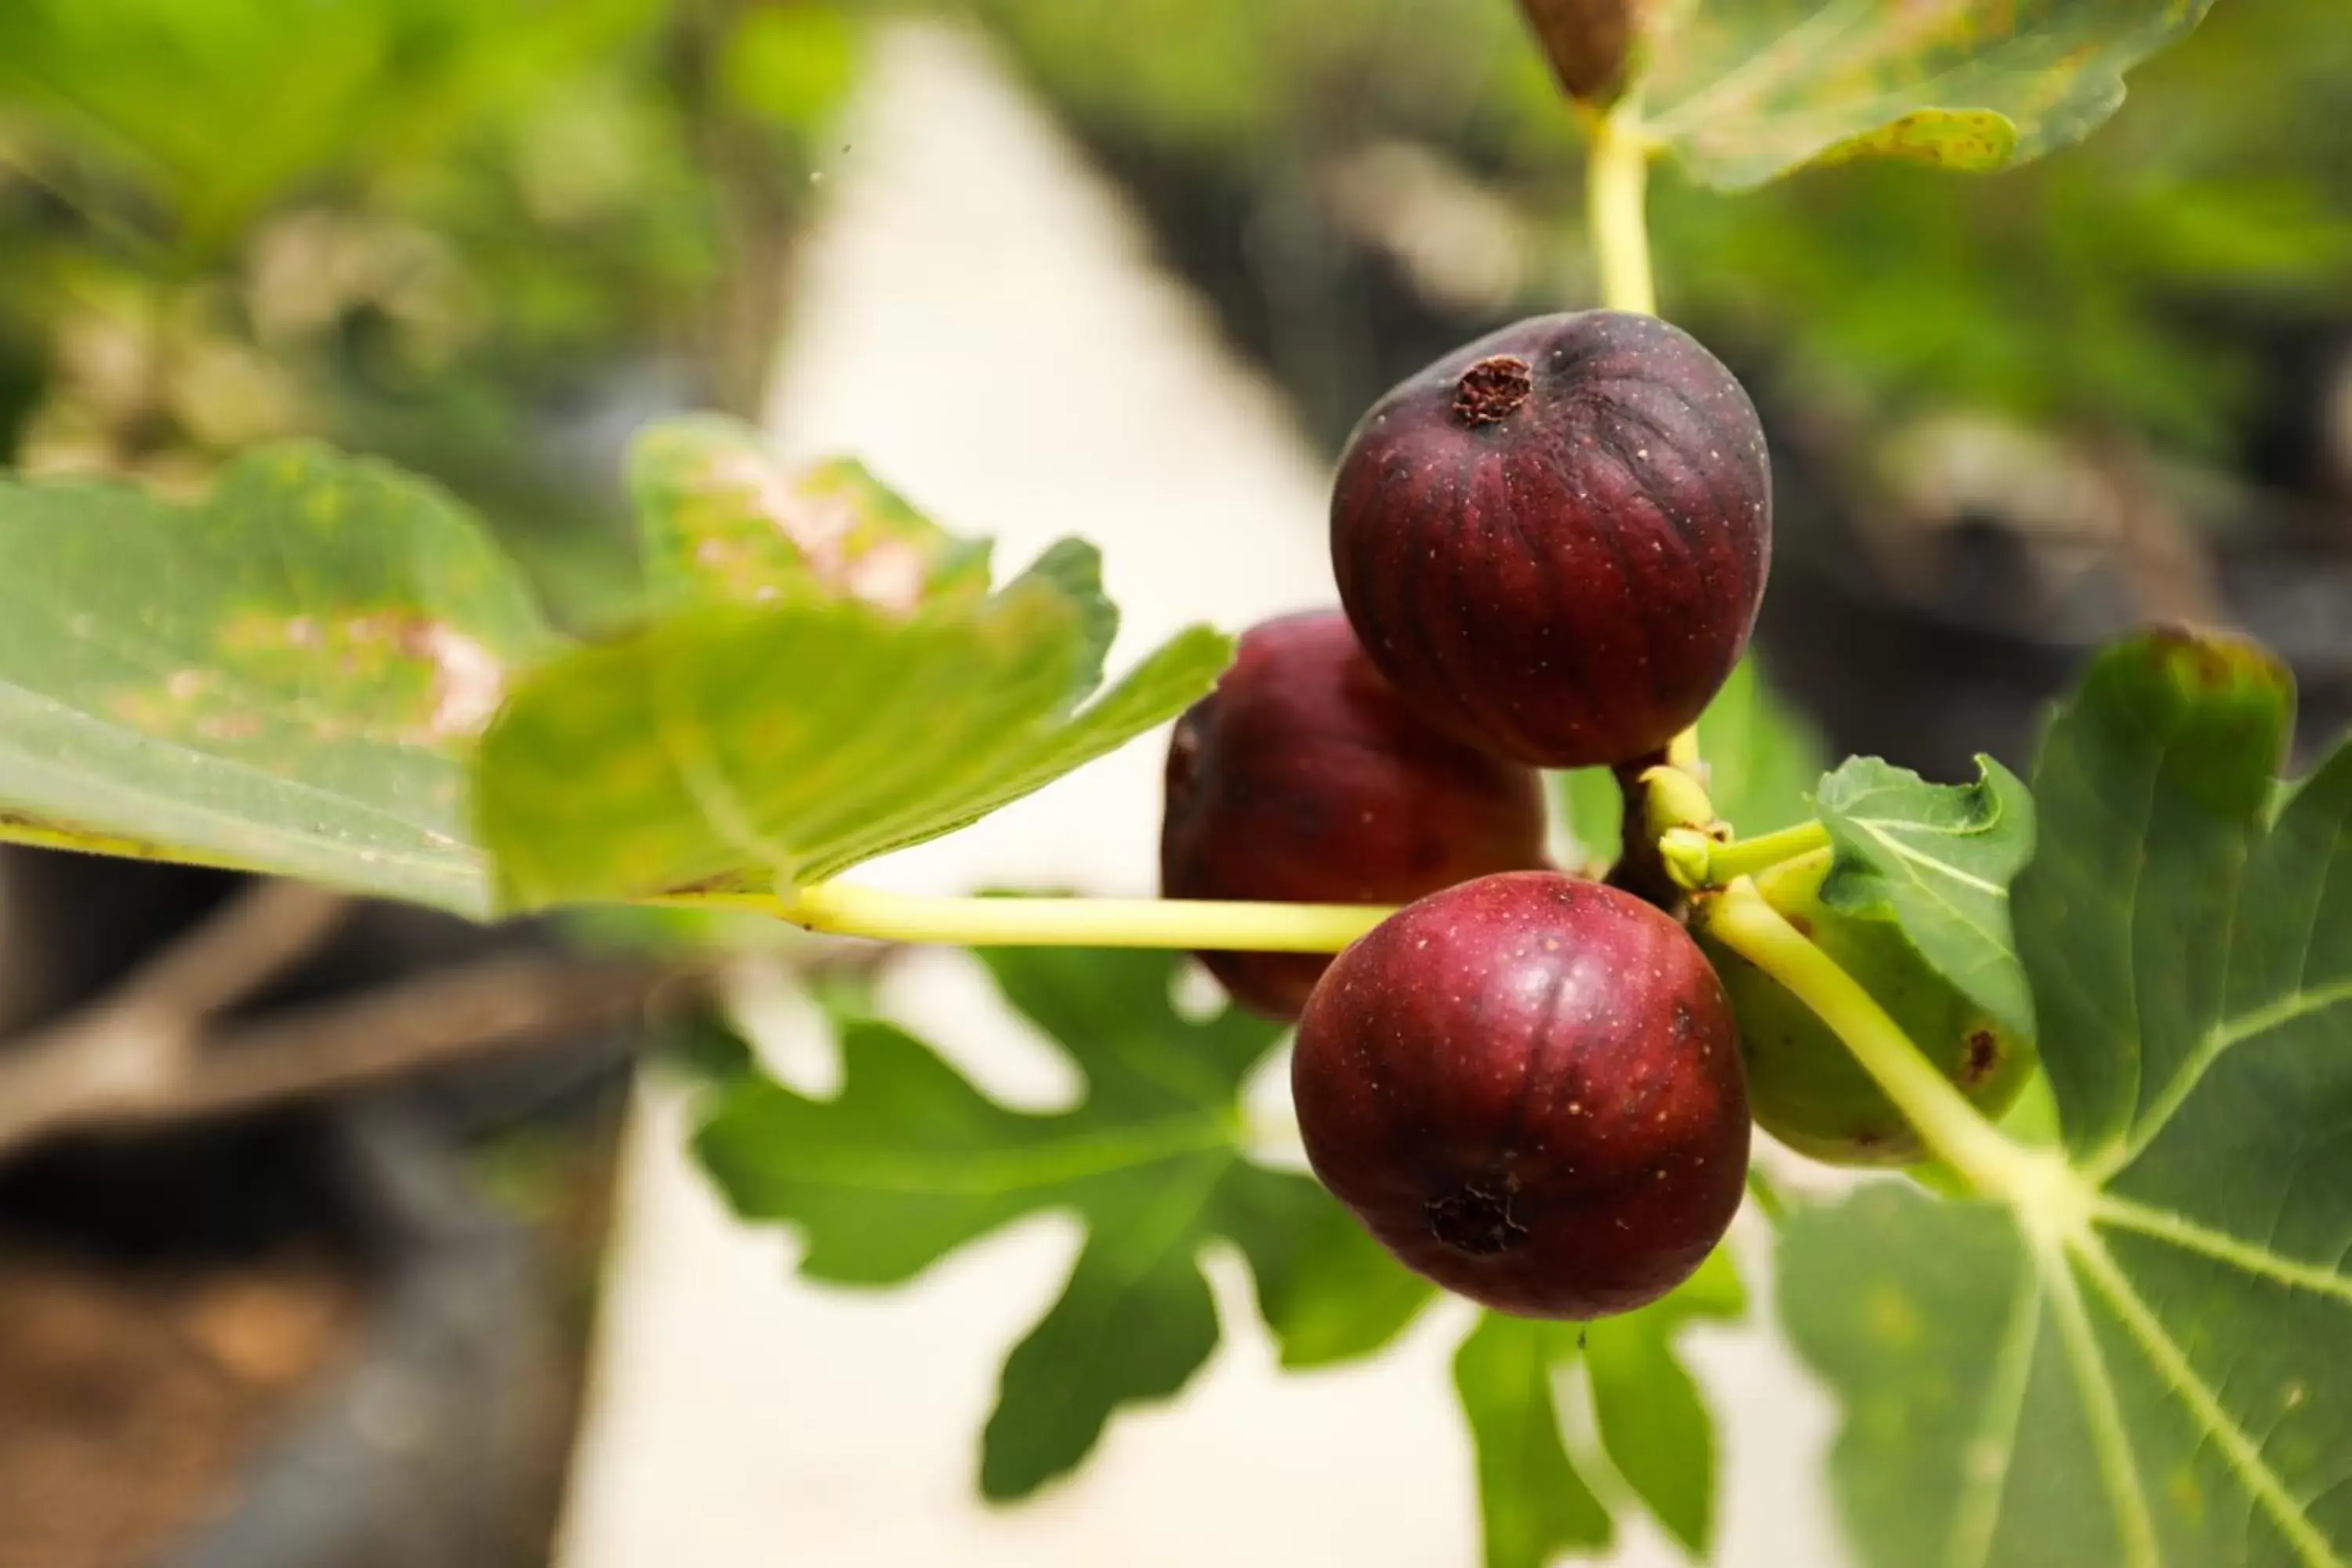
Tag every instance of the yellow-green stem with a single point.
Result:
(1617, 178)
(76, 841)
(1982, 1156)
(1616, 196)
(844, 910)
(1746, 857)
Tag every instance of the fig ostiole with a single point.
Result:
(1554, 541)
(1803, 1086)
(1529, 1088)
(1303, 779)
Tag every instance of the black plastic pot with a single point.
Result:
(437, 1437)
(420, 1451)
(1930, 685)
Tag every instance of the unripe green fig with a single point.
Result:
(1803, 1086)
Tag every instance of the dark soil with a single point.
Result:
(130, 1397)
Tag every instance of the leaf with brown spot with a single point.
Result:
(288, 676)
(724, 521)
(1744, 92)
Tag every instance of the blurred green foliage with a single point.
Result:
(2115, 283)
(449, 230)
(444, 230)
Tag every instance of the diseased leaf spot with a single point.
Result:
(1984, 1054)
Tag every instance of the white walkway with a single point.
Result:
(981, 321)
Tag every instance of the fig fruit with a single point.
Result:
(1554, 541)
(1302, 779)
(1803, 1086)
(1529, 1088)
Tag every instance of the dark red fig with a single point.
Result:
(1529, 1088)
(1302, 779)
(1554, 541)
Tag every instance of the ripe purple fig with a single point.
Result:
(1529, 1088)
(1302, 779)
(1554, 542)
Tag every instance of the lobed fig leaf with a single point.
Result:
(327, 669)
(1652, 1421)
(910, 1162)
(1746, 91)
(2134, 1356)
(748, 744)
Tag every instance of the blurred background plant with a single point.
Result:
(2012, 413)
(480, 236)
(484, 239)
(487, 238)
(1431, 136)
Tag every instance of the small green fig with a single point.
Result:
(1803, 1087)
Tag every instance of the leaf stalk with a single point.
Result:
(1201, 925)
(1617, 179)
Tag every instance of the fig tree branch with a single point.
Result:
(146, 1051)
(132, 1042)
(502, 1004)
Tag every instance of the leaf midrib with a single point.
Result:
(1885, 829)
(1081, 1155)
(2064, 1244)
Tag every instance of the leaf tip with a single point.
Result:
(2210, 663)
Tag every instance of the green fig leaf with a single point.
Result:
(792, 66)
(1333, 1294)
(218, 108)
(910, 1161)
(723, 521)
(1652, 1418)
(2134, 1355)
(1533, 1506)
(786, 742)
(1746, 91)
(1534, 1503)
(288, 676)
(1936, 860)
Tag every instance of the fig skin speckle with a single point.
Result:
(1562, 573)
(1529, 1088)
(1303, 779)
